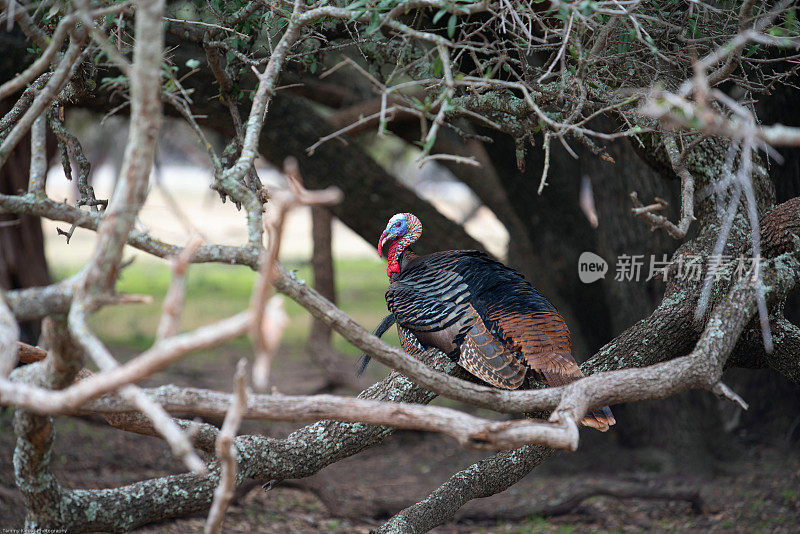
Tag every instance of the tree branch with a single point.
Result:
(55, 83)
(226, 453)
(9, 335)
(687, 196)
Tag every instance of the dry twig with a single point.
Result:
(268, 317)
(176, 294)
(226, 451)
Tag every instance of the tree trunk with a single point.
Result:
(22, 259)
(322, 265)
(337, 370)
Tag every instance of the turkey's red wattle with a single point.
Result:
(393, 266)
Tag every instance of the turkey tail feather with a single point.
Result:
(600, 419)
(363, 361)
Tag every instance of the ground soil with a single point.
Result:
(756, 490)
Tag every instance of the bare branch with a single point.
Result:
(42, 62)
(471, 161)
(55, 83)
(149, 362)
(119, 217)
(274, 321)
(732, 49)
(17, 13)
(38, 173)
(9, 334)
(687, 197)
(678, 112)
(23, 102)
(268, 317)
(100, 38)
(722, 73)
(226, 452)
(69, 146)
(721, 390)
(173, 303)
(470, 431)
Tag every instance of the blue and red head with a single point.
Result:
(402, 230)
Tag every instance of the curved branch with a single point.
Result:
(469, 431)
(482, 479)
(678, 231)
(62, 74)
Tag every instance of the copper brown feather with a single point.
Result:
(543, 339)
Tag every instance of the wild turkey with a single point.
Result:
(482, 314)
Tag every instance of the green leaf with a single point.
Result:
(192, 63)
(374, 21)
(573, 52)
(776, 31)
(624, 41)
(588, 7)
(791, 22)
(451, 26)
(357, 14)
(752, 48)
(439, 14)
(436, 67)
(358, 8)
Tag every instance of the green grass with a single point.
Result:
(215, 291)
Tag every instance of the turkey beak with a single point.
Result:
(387, 238)
(384, 235)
